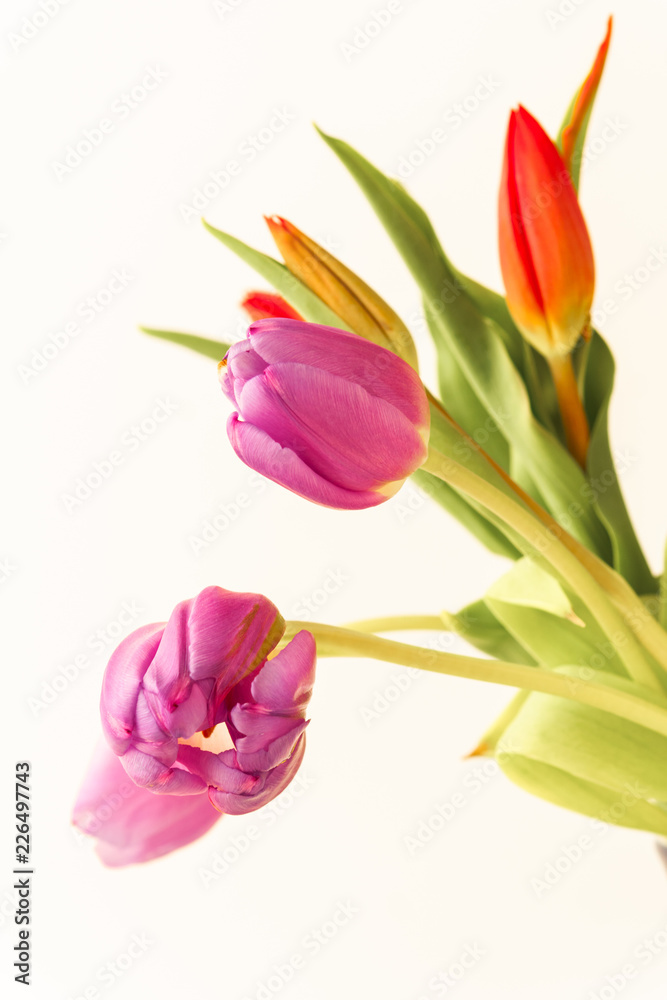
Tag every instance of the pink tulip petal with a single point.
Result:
(254, 447)
(294, 405)
(285, 683)
(121, 684)
(266, 740)
(219, 770)
(345, 355)
(148, 772)
(131, 824)
(272, 784)
(217, 636)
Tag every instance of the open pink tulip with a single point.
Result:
(130, 823)
(329, 415)
(166, 689)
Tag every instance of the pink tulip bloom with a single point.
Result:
(165, 690)
(130, 823)
(329, 415)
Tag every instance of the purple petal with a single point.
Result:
(218, 636)
(352, 438)
(254, 447)
(347, 355)
(285, 683)
(243, 363)
(122, 683)
(267, 740)
(272, 784)
(133, 825)
(219, 770)
(148, 772)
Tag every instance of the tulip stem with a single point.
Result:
(538, 540)
(334, 641)
(405, 623)
(571, 407)
(638, 617)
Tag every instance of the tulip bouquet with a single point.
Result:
(206, 714)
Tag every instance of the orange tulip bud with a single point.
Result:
(343, 291)
(545, 250)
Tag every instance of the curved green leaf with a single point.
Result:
(215, 349)
(297, 294)
(603, 488)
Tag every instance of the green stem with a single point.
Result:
(544, 542)
(638, 618)
(334, 641)
(405, 623)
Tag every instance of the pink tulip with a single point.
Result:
(166, 689)
(329, 415)
(130, 823)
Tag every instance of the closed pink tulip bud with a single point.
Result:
(194, 710)
(329, 415)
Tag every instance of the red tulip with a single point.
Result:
(267, 305)
(545, 251)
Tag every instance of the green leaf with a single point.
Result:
(290, 287)
(529, 363)
(549, 782)
(590, 744)
(478, 625)
(663, 594)
(409, 226)
(476, 345)
(603, 489)
(215, 349)
(578, 152)
(553, 624)
(527, 585)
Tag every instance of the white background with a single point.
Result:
(372, 782)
